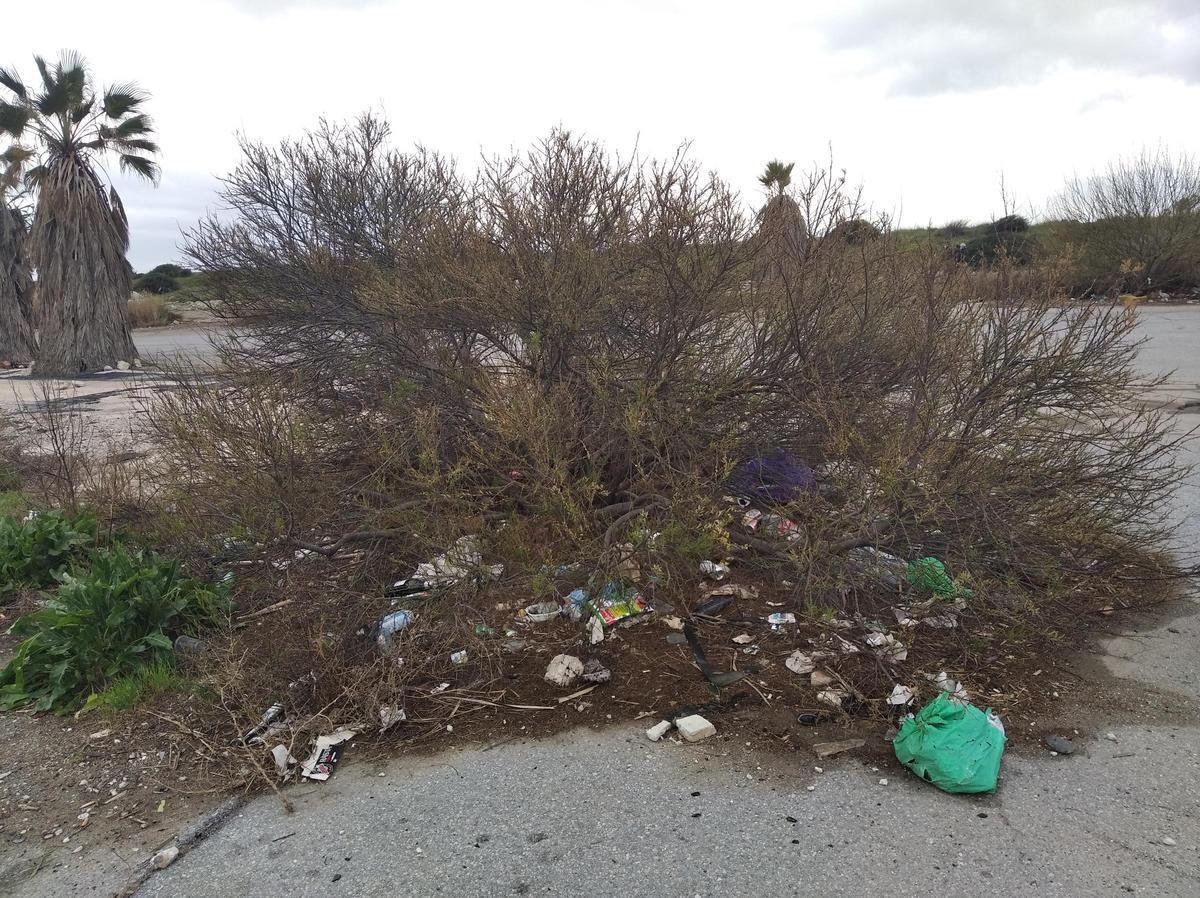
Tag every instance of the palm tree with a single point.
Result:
(16, 286)
(63, 128)
(777, 175)
(781, 227)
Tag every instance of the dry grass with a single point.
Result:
(147, 310)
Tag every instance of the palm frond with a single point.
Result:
(71, 61)
(122, 99)
(135, 144)
(16, 153)
(10, 79)
(80, 112)
(55, 99)
(12, 162)
(13, 118)
(777, 174)
(44, 71)
(73, 73)
(139, 165)
(35, 176)
(133, 126)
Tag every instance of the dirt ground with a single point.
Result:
(118, 787)
(110, 789)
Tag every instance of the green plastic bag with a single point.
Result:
(930, 575)
(955, 746)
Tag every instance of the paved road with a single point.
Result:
(605, 813)
(1173, 332)
(192, 341)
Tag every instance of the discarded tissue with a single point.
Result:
(800, 663)
(901, 695)
(887, 646)
(461, 561)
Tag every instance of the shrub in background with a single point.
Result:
(156, 282)
(171, 270)
(1011, 224)
(1136, 224)
(1013, 246)
(957, 228)
(150, 311)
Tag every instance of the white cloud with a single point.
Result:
(159, 215)
(936, 46)
(270, 7)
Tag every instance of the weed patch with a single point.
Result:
(139, 687)
(34, 550)
(103, 624)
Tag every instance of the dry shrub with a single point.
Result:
(570, 354)
(147, 310)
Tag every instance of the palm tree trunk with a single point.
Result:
(80, 236)
(16, 290)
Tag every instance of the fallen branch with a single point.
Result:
(270, 609)
(615, 527)
(358, 536)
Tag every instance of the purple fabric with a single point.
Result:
(772, 479)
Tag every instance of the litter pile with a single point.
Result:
(823, 656)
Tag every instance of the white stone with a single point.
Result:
(695, 728)
(166, 857)
(659, 730)
(564, 670)
(1167, 840)
(123, 366)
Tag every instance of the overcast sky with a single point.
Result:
(925, 102)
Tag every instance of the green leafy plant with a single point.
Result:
(103, 624)
(35, 549)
